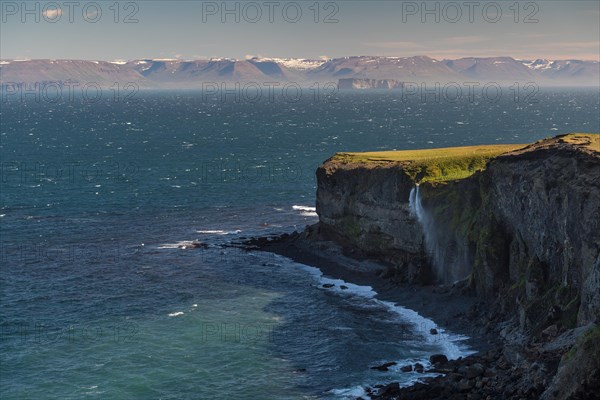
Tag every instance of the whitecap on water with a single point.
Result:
(306, 210)
(177, 245)
(218, 232)
(349, 393)
(176, 314)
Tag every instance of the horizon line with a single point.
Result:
(119, 60)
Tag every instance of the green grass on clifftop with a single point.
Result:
(453, 163)
(433, 165)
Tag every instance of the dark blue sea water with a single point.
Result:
(99, 301)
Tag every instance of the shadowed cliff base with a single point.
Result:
(526, 222)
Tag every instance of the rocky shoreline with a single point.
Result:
(507, 365)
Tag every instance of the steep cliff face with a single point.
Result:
(526, 228)
(363, 201)
(366, 207)
(546, 199)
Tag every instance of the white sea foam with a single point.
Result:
(306, 210)
(447, 342)
(349, 393)
(409, 379)
(218, 232)
(349, 288)
(176, 314)
(176, 245)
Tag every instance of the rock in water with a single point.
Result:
(419, 368)
(384, 367)
(438, 359)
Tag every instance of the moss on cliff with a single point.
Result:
(456, 205)
(351, 227)
(577, 376)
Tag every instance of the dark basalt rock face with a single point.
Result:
(548, 201)
(367, 209)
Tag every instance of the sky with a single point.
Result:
(126, 30)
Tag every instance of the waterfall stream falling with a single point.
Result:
(448, 254)
(414, 202)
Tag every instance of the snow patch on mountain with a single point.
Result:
(302, 64)
(539, 64)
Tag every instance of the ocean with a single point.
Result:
(101, 299)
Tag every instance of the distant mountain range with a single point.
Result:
(175, 73)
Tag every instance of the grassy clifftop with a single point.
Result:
(432, 165)
(452, 163)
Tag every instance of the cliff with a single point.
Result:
(520, 223)
(363, 201)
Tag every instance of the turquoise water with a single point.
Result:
(97, 298)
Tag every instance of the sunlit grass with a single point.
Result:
(453, 163)
(433, 165)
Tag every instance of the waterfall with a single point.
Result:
(414, 203)
(429, 235)
(447, 253)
